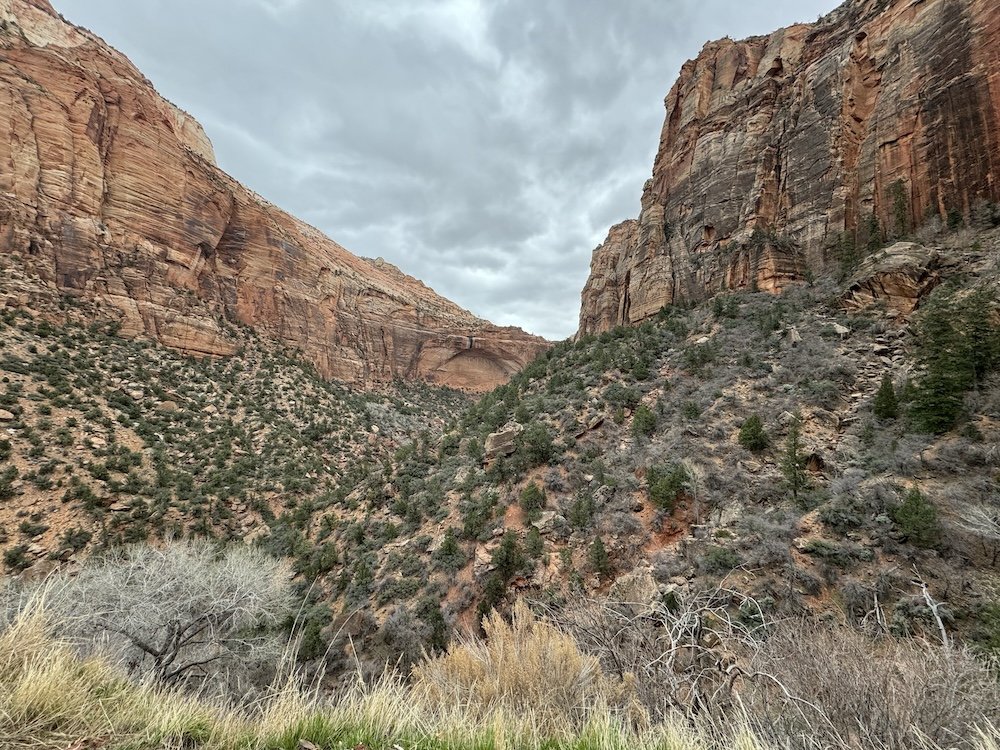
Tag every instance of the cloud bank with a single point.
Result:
(483, 146)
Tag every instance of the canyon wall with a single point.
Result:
(110, 193)
(779, 153)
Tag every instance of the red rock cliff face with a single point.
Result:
(885, 108)
(109, 192)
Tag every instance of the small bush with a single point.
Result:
(753, 436)
(719, 560)
(917, 519)
(644, 422)
(665, 484)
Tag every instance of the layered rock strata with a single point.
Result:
(108, 192)
(779, 153)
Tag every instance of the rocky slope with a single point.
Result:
(110, 193)
(779, 153)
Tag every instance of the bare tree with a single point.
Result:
(677, 654)
(185, 613)
(984, 522)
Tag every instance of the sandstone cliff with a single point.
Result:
(778, 151)
(110, 193)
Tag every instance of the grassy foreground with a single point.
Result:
(52, 698)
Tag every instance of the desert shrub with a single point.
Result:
(719, 560)
(623, 396)
(7, 478)
(16, 558)
(833, 684)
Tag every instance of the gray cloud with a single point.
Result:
(483, 146)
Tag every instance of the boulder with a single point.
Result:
(502, 443)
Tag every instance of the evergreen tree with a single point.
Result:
(508, 558)
(917, 519)
(533, 544)
(957, 347)
(532, 500)
(598, 557)
(753, 437)
(886, 406)
(793, 460)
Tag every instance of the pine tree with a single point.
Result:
(793, 460)
(886, 405)
(532, 500)
(957, 347)
(508, 558)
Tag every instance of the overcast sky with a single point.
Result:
(483, 146)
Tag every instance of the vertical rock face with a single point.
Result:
(111, 193)
(777, 151)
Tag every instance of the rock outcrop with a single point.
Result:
(110, 193)
(898, 277)
(779, 151)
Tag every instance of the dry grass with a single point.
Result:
(524, 667)
(530, 687)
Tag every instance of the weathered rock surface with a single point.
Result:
(777, 150)
(110, 193)
(899, 277)
(502, 443)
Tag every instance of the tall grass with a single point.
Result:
(528, 687)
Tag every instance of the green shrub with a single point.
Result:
(666, 484)
(644, 422)
(886, 405)
(7, 477)
(917, 519)
(16, 558)
(720, 560)
(753, 437)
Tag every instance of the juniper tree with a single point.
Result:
(753, 437)
(886, 406)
